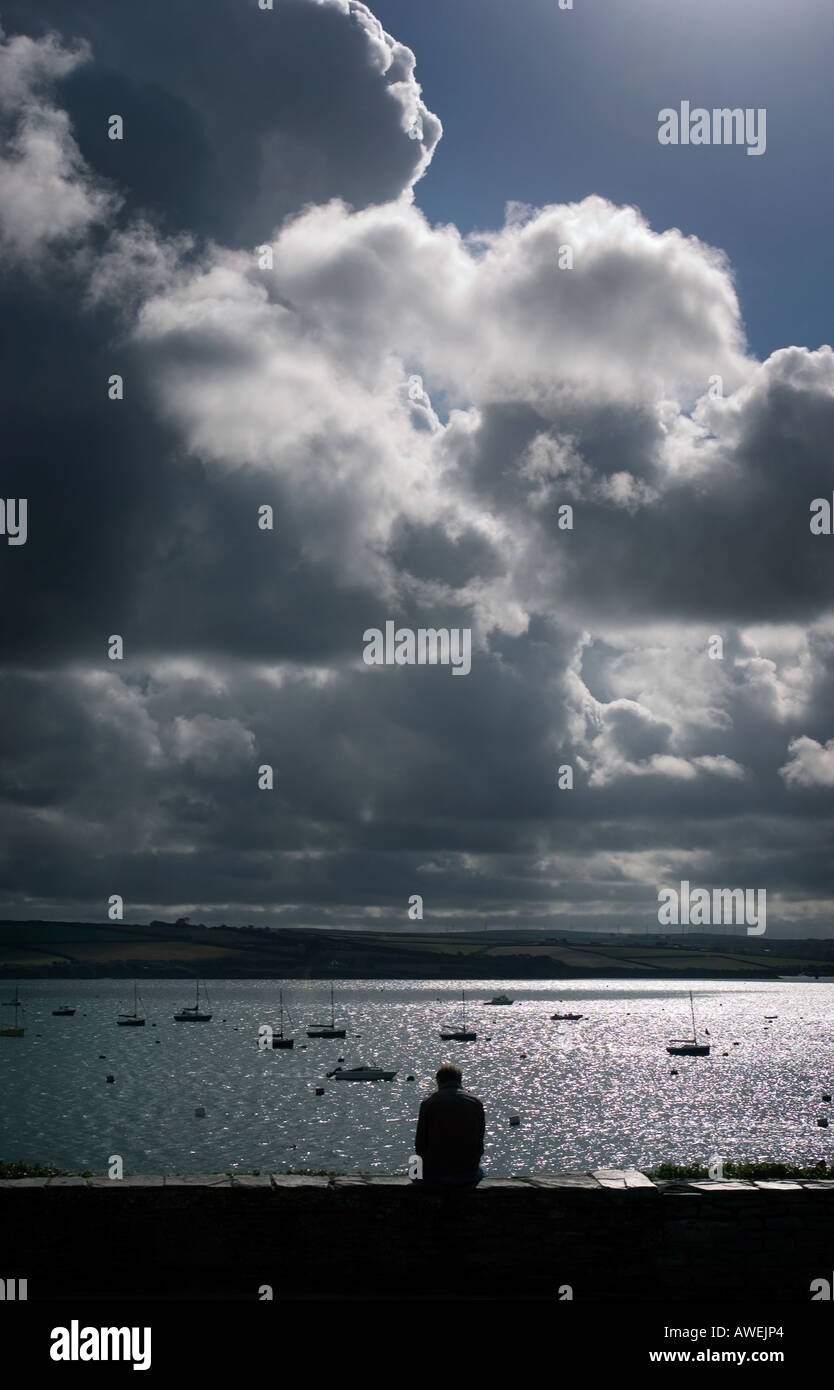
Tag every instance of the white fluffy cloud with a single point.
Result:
(811, 764)
(49, 196)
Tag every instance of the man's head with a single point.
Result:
(449, 1075)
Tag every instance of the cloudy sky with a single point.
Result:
(416, 387)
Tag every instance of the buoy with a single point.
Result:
(821, 1120)
(673, 1073)
(514, 1120)
(102, 1057)
(200, 1112)
(725, 1054)
(158, 1043)
(826, 1097)
(409, 1078)
(523, 1055)
(340, 1059)
(736, 1044)
(319, 1090)
(111, 1078)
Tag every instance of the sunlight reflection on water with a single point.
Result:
(597, 1093)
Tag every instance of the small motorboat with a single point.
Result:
(65, 1012)
(499, 999)
(569, 1018)
(361, 1074)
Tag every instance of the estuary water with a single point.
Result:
(597, 1093)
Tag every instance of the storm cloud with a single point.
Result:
(417, 409)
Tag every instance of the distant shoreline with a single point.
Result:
(185, 950)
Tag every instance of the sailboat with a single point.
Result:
(278, 1039)
(134, 1020)
(321, 1030)
(689, 1047)
(460, 1034)
(192, 1013)
(16, 1031)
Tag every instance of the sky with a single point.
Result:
(424, 281)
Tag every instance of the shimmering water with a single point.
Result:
(591, 1094)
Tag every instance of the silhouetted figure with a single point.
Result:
(450, 1133)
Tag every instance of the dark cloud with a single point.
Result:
(294, 388)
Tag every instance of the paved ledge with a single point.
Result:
(610, 1235)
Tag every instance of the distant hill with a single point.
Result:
(86, 950)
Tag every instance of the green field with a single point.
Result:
(88, 950)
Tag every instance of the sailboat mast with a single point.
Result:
(692, 1007)
(332, 1010)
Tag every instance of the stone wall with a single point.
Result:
(607, 1235)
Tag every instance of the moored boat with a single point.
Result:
(192, 1013)
(16, 1030)
(278, 1039)
(321, 1030)
(459, 1034)
(361, 1074)
(134, 1020)
(688, 1047)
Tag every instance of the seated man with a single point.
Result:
(450, 1133)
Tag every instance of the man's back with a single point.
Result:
(450, 1132)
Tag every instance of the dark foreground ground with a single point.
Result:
(606, 1236)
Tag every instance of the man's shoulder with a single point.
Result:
(452, 1095)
